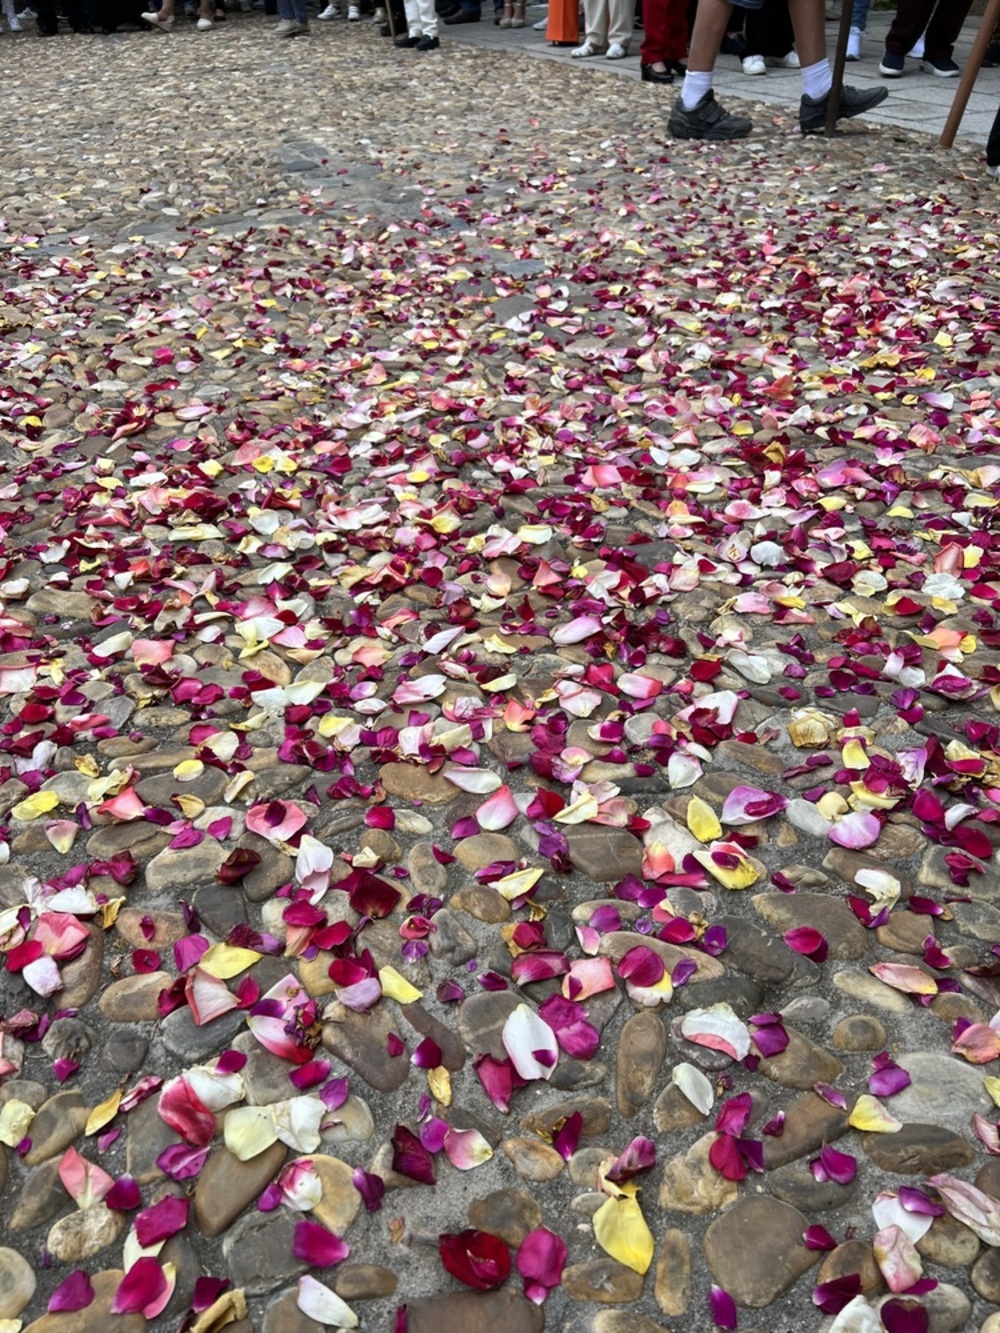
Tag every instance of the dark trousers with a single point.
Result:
(942, 20)
(993, 144)
(768, 31)
(665, 31)
(48, 20)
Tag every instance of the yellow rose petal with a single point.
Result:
(702, 820)
(227, 960)
(103, 1114)
(33, 807)
(621, 1231)
(439, 1082)
(397, 987)
(871, 1116)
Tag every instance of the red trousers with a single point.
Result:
(666, 30)
(564, 22)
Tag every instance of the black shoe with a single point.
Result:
(464, 16)
(992, 57)
(385, 30)
(677, 67)
(403, 42)
(651, 75)
(707, 121)
(447, 10)
(853, 102)
(428, 43)
(47, 32)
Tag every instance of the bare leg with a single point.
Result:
(706, 38)
(809, 22)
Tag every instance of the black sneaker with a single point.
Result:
(707, 120)
(404, 42)
(944, 69)
(428, 43)
(892, 65)
(853, 102)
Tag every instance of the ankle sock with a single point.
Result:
(696, 84)
(817, 80)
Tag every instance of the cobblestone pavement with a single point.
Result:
(499, 669)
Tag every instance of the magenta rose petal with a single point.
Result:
(723, 1308)
(140, 1288)
(540, 1260)
(316, 1246)
(899, 1315)
(162, 1220)
(74, 1292)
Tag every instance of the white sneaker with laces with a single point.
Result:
(754, 65)
(854, 40)
(789, 61)
(584, 52)
(353, 14)
(330, 12)
(616, 51)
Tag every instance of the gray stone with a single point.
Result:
(481, 1020)
(801, 1064)
(809, 1123)
(475, 1312)
(83, 1234)
(796, 1184)
(148, 1136)
(42, 1196)
(507, 1213)
(672, 1277)
(192, 1043)
(917, 1150)
(692, 1185)
(603, 1281)
(360, 1040)
(943, 1090)
(844, 933)
(759, 954)
(258, 1251)
(450, 940)
(171, 871)
(604, 854)
(860, 1032)
(57, 1124)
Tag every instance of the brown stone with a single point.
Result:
(672, 1111)
(83, 1234)
(755, 1250)
(854, 1256)
(809, 1123)
(691, 1183)
(360, 1040)
(134, 999)
(364, 1282)
(452, 1049)
(57, 1124)
(226, 1186)
(548, 1119)
(481, 1020)
(42, 1196)
(917, 1150)
(860, 1032)
(617, 943)
(604, 854)
(603, 1281)
(843, 932)
(507, 1213)
(533, 1160)
(642, 1048)
(475, 1312)
(949, 1243)
(413, 782)
(672, 1281)
(802, 1063)
(482, 902)
(282, 1315)
(97, 1317)
(483, 849)
(904, 932)
(81, 976)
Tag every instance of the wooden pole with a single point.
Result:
(840, 59)
(970, 74)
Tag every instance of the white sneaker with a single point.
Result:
(14, 24)
(754, 65)
(993, 173)
(154, 21)
(854, 40)
(353, 14)
(541, 25)
(204, 25)
(331, 12)
(616, 51)
(584, 52)
(789, 61)
(918, 50)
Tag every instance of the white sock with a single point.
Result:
(696, 84)
(817, 80)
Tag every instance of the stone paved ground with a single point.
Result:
(498, 609)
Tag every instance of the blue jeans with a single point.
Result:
(859, 18)
(293, 9)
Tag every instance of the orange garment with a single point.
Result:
(564, 22)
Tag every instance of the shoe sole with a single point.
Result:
(939, 73)
(888, 73)
(726, 136)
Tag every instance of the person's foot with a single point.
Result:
(14, 23)
(788, 61)
(943, 68)
(584, 51)
(464, 16)
(353, 14)
(917, 49)
(854, 40)
(616, 51)
(330, 12)
(707, 120)
(204, 25)
(154, 21)
(754, 65)
(853, 102)
(650, 74)
(408, 41)
(428, 43)
(993, 173)
(892, 65)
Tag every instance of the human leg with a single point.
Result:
(992, 144)
(911, 18)
(621, 25)
(944, 28)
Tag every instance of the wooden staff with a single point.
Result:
(843, 32)
(970, 74)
